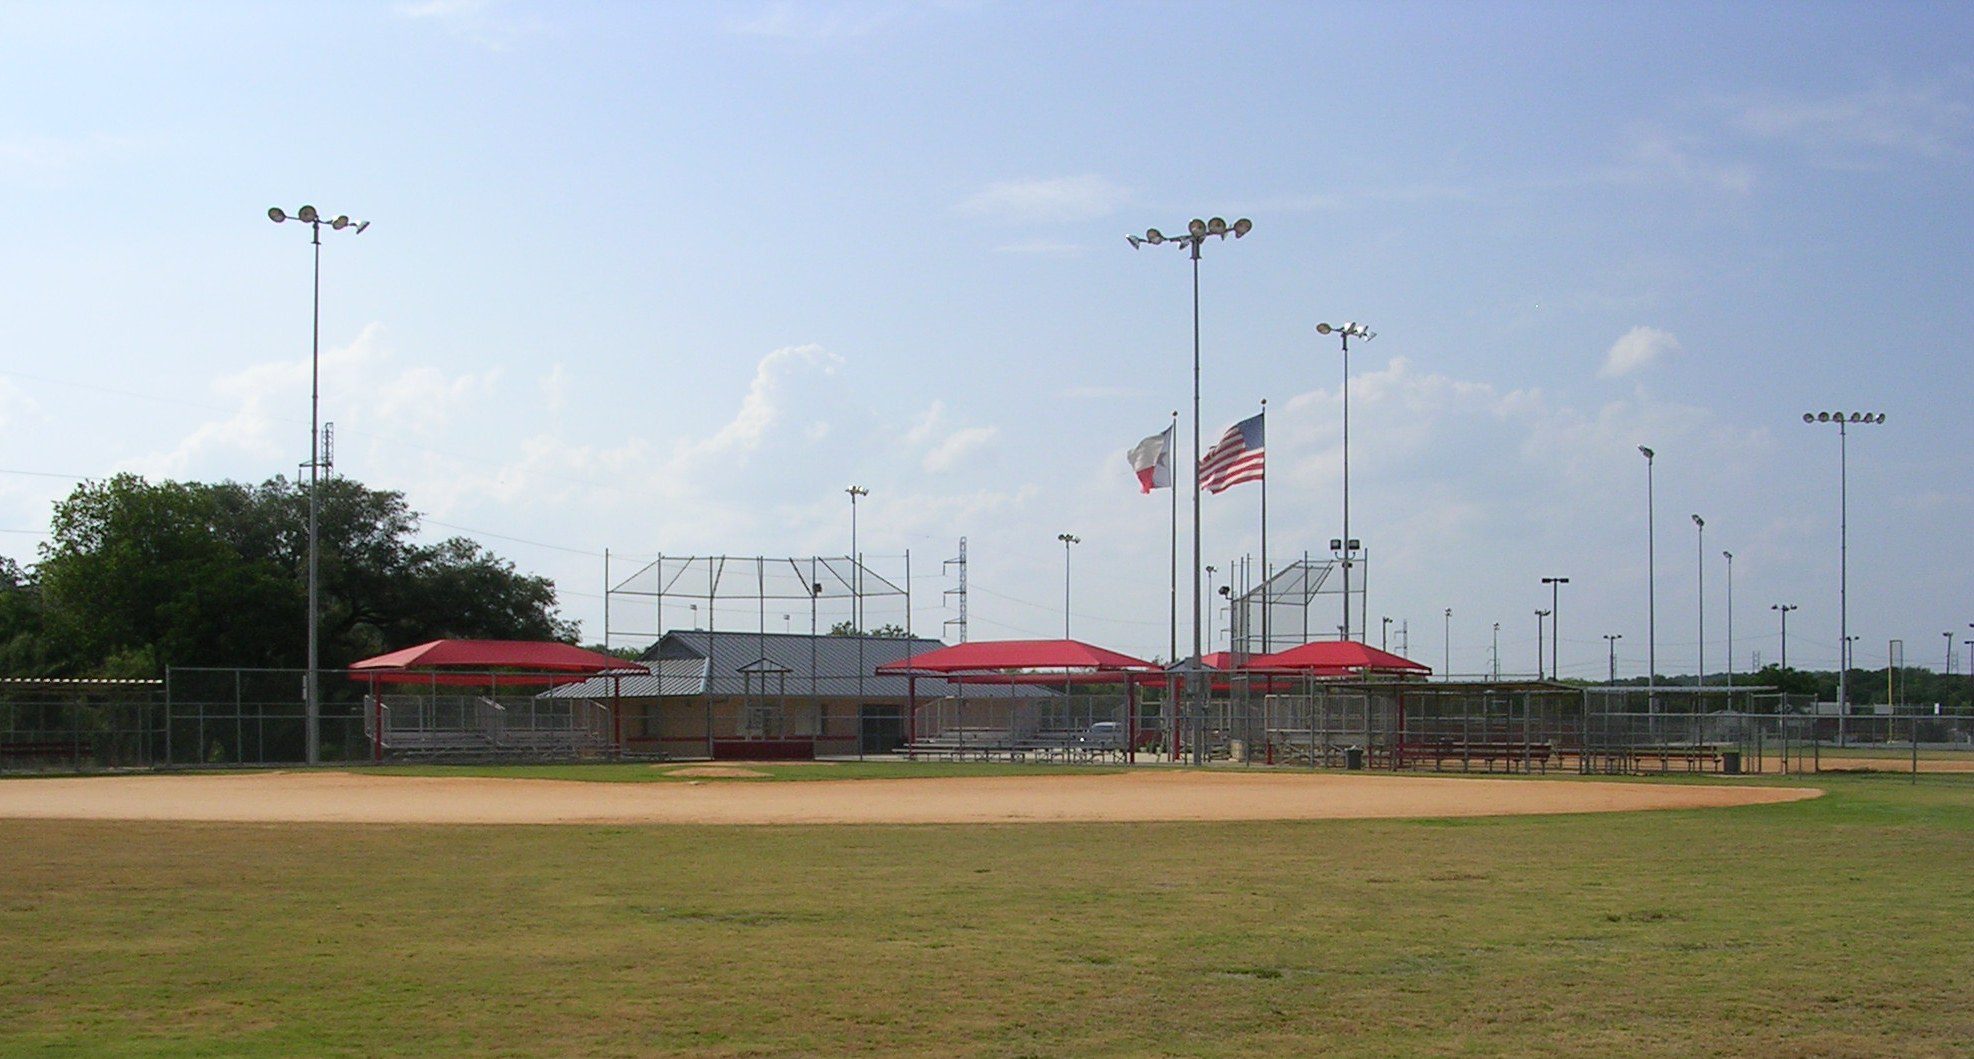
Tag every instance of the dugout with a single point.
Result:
(484, 699)
(768, 696)
(1048, 699)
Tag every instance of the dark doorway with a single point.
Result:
(883, 728)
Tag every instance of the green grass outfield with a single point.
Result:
(1840, 926)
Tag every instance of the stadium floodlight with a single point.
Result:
(1651, 591)
(311, 694)
(1197, 231)
(1729, 556)
(856, 564)
(1700, 528)
(1539, 615)
(1784, 609)
(1348, 331)
(1067, 539)
(1843, 551)
(1555, 624)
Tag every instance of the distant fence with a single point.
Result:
(194, 716)
(255, 717)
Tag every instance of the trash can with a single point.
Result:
(1730, 762)
(1353, 757)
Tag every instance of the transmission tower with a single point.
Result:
(960, 591)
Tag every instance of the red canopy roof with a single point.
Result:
(529, 655)
(1006, 655)
(1336, 658)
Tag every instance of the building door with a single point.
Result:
(883, 728)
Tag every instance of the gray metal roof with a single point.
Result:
(698, 662)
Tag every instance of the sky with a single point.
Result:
(667, 279)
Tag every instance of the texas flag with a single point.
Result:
(1152, 459)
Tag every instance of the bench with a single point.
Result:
(1624, 760)
(974, 746)
(39, 750)
(1511, 755)
(1694, 758)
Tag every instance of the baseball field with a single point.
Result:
(1018, 911)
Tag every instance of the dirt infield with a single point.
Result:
(314, 797)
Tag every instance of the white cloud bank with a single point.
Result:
(1058, 200)
(1639, 348)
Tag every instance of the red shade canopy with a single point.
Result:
(1336, 658)
(530, 655)
(1012, 655)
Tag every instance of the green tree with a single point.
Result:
(137, 576)
(889, 630)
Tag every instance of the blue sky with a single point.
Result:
(667, 278)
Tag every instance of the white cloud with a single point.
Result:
(1402, 194)
(925, 423)
(763, 406)
(1919, 121)
(484, 22)
(15, 405)
(1041, 248)
(816, 22)
(268, 400)
(1640, 347)
(1057, 200)
(46, 159)
(948, 453)
(1653, 157)
(1102, 393)
(945, 453)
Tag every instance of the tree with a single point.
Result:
(889, 630)
(138, 576)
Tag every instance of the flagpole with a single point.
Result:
(1267, 645)
(1172, 686)
(1172, 567)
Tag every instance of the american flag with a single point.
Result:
(1238, 458)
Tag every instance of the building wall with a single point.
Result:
(678, 726)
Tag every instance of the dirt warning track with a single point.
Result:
(344, 797)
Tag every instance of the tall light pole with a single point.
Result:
(856, 564)
(1843, 546)
(1539, 615)
(1495, 652)
(1729, 556)
(1446, 645)
(1197, 232)
(311, 693)
(1555, 625)
(1949, 670)
(1611, 639)
(1210, 597)
(1700, 525)
(1346, 332)
(1384, 635)
(1784, 609)
(1651, 593)
(1067, 539)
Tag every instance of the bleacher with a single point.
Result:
(996, 744)
(486, 728)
